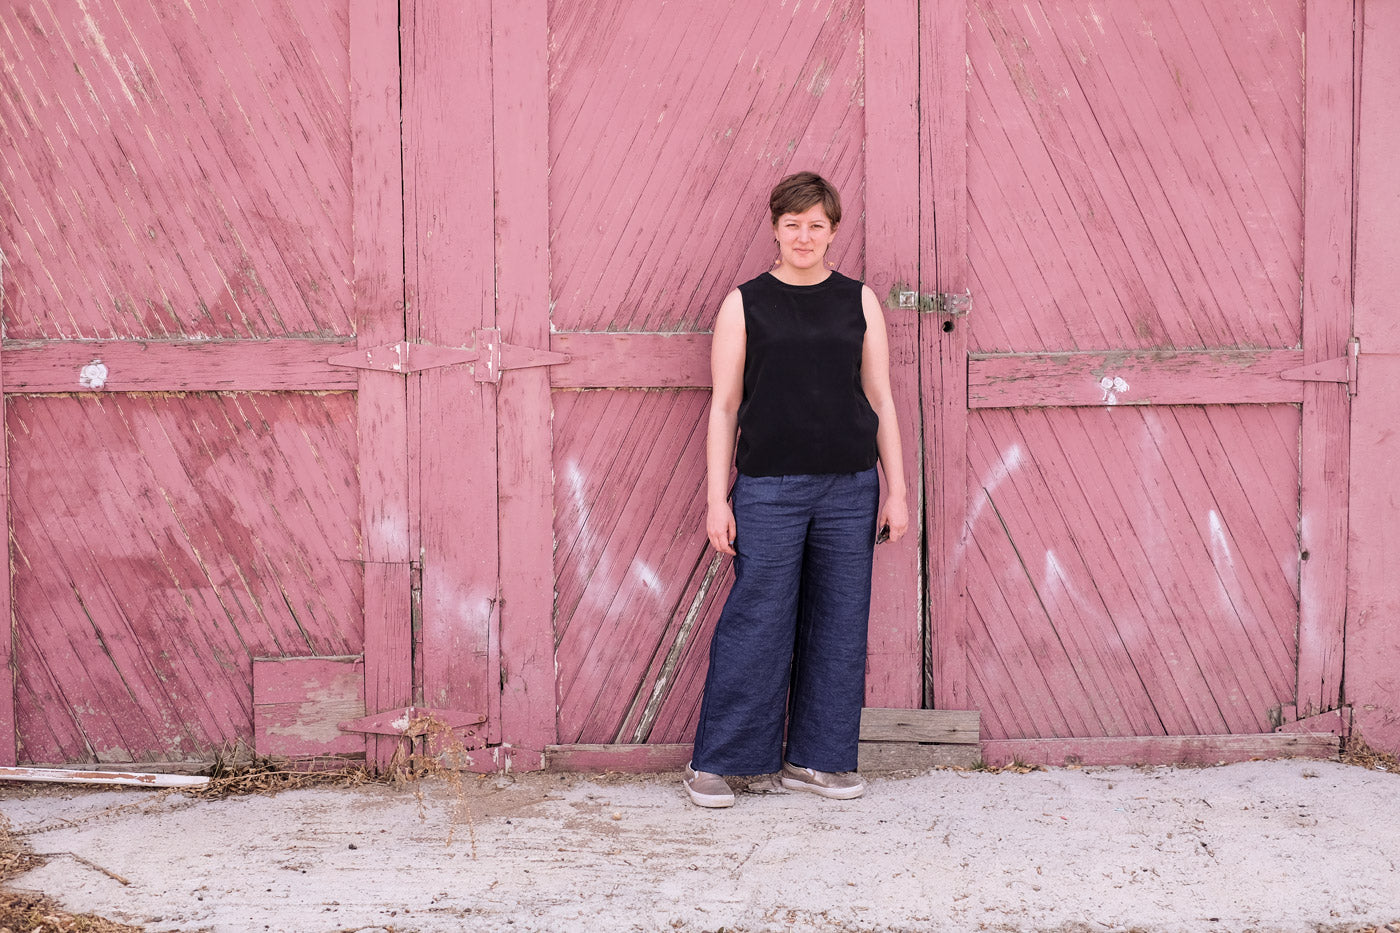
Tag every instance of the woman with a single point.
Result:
(802, 402)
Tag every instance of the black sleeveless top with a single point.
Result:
(804, 410)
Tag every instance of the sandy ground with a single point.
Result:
(1268, 846)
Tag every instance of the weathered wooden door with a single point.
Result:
(191, 484)
(1137, 521)
(667, 126)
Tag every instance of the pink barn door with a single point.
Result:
(667, 125)
(191, 483)
(1138, 476)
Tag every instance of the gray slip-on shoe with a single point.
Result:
(838, 785)
(706, 789)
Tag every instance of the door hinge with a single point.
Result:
(498, 356)
(951, 303)
(491, 355)
(1343, 369)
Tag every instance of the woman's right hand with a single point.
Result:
(719, 525)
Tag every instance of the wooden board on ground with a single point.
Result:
(948, 726)
(1154, 750)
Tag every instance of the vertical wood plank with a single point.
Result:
(520, 42)
(376, 172)
(9, 726)
(450, 250)
(1327, 240)
(895, 663)
(1373, 598)
(944, 339)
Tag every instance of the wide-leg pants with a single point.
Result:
(792, 636)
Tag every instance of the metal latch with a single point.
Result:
(952, 303)
(1342, 369)
(492, 356)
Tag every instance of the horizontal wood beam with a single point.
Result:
(1192, 377)
(951, 726)
(1159, 750)
(288, 365)
(916, 756)
(631, 361)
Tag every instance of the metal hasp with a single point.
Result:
(955, 304)
(411, 721)
(1343, 369)
(492, 355)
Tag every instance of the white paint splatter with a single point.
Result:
(1112, 386)
(1010, 460)
(1219, 543)
(648, 577)
(573, 483)
(93, 375)
(1054, 573)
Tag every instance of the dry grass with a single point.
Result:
(33, 913)
(1355, 751)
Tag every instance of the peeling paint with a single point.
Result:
(1112, 388)
(93, 375)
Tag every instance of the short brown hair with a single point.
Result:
(802, 191)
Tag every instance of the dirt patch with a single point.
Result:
(36, 913)
(1281, 846)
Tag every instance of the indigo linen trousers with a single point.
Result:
(791, 641)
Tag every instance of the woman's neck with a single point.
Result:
(790, 276)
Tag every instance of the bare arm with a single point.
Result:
(875, 380)
(727, 351)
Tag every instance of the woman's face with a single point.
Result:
(803, 238)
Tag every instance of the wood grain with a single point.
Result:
(298, 702)
(33, 366)
(160, 543)
(944, 341)
(893, 206)
(8, 733)
(1372, 664)
(1204, 750)
(956, 727)
(1135, 176)
(520, 43)
(152, 194)
(658, 188)
(1327, 288)
(631, 361)
(451, 245)
(381, 412)
(1210, 377)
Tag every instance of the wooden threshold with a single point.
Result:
(643, 759)
(1160, 750)
(891, 739)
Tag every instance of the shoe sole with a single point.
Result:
(832, 793)
(712, 801)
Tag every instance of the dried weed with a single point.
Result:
(1355, 751)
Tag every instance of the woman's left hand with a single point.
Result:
(895, 514)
